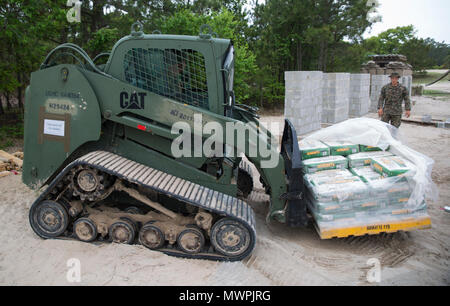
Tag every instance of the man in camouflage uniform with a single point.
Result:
(390, 102)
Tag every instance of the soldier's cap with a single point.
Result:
(394, 75)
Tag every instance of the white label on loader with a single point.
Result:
(54, 127)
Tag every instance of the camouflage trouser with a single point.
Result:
(395, 120)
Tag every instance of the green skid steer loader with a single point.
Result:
(100, 136)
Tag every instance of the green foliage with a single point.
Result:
(391, 41)
(31, 26)
(446, 63)
(103, 40)
(9, 133)
(439, 52)
(348, 57)
(417, 51)
(305, 35)
(421, 53)
(277, 36)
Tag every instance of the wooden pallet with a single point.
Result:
(418, 120)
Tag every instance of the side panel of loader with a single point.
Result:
(61, 114)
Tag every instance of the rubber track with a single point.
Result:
(244, 165)
(172, 186)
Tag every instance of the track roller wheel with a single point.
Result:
(132, 222)
(191, 240)
(133, 210)
(122, 232)
(151, 236)
(85, 229)
(231, 238)
(49, 219)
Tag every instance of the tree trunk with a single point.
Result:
(8, 103)
(332, 55)
(320, 61)
(97, 15)
(323, 56)
(63, 35)
(1, 106)
(19, 91)
(299, 56)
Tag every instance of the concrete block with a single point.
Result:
(335, 105)
(303, 100)
(407, 82)
(359, 95)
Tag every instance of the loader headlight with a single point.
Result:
(64, 74)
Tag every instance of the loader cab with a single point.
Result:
(193, 70)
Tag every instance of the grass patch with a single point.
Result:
(10, 133)
(427, 78)
(436, 93)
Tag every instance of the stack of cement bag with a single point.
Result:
(349, 184)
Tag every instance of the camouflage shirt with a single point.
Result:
(392, 97)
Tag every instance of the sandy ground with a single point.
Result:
(440, 86)
(283, 256)
(438, 70)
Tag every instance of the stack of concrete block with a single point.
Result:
(377, 83)
(407, 82)
(303, 100)
(335, 107)
(359, 94)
